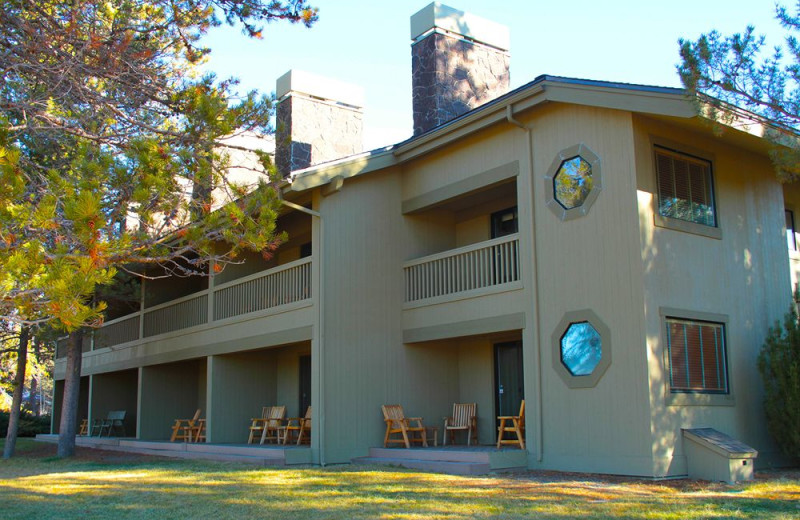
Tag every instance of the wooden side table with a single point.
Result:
(432, 430)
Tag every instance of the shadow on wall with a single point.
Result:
(680, 275)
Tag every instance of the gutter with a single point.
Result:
(509, 115)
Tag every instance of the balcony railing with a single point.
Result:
(286, 284)
(115, 332)
(282, 285)
(478, 266)
(182, 313)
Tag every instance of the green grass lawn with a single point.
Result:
(37, 485)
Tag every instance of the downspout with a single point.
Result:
(317, 253)
(536, 314)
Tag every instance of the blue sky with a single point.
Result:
(368, 43)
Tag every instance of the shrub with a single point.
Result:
(779, 364)
(29, 424)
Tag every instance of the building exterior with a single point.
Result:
(593, 247)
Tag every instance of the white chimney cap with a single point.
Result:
(321, 87)
(468, 25)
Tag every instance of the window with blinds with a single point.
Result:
(685, 188)
(696, 356)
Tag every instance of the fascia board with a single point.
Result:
(318, 176)
(641, 101)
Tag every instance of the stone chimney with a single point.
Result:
(458, 62)
(318, 120)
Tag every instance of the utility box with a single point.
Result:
(713, 455)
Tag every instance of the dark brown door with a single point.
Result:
(305, 383)
(509, 387)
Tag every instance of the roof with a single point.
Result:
(645, 99)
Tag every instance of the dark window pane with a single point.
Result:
(685, 188)
(504, 222)
(573, 182)
(581, 348)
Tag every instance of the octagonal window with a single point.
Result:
(573, 182)
(581, 348)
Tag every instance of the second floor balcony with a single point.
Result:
(463, 272)
(262, 292)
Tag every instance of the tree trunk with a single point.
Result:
(68, 426)
(19, 386)
(33, 395)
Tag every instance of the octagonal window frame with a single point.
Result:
(569, 319)
(567, 154)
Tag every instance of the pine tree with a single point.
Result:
(725, 72)
(114, 154)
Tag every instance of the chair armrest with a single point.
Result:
(512, 417)
(417, 420)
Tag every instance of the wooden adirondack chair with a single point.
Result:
(397, 422)
(198, 433)
(301, 425)
(183, 429)
(273, 424)
(257, 424)
(514, 424)
(464, 418)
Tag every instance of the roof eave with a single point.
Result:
(662, 101)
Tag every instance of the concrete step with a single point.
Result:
(233, 449)
(219, 457)
(445, 455)
(437, 466)
(153, 445)
(183, 450)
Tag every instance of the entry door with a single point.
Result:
(509, 389)
(305, 383)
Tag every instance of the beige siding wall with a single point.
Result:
(467, 158)
(434, 232)
(473, 225)
(168, 392)
(744, 276)
(364, 361)
(287, 361)
(476, 383)
(367, 238)
(116, 391)
(162, 290)
(591, 262)
(791, 195)
(240, 385)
